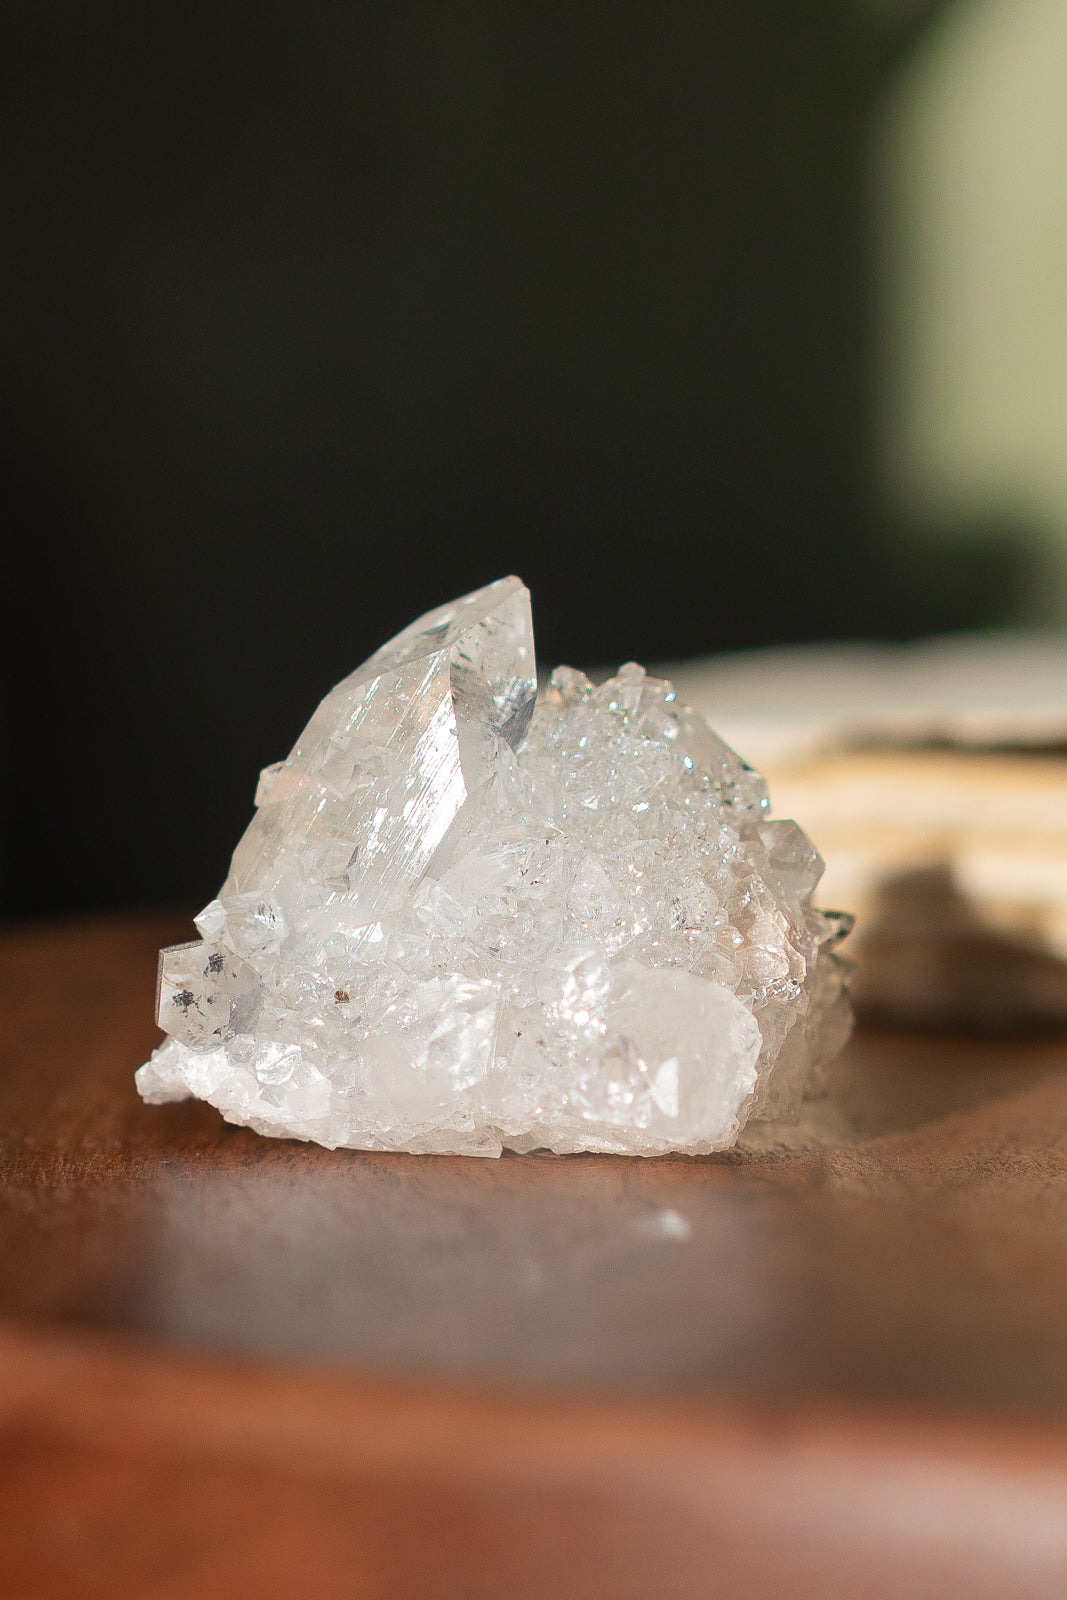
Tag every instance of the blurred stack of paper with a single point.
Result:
(933, 779)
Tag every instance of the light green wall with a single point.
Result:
(971, 179)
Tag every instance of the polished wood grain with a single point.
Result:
(231, 1364)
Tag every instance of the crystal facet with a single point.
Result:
(462, 922)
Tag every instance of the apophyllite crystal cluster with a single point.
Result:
(466, 918)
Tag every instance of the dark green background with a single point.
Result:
(320, 314)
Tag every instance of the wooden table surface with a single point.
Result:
(236, 1365)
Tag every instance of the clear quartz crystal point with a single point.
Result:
(461, 923)
(380, 772)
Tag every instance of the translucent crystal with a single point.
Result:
(205, 994)
(462, 923)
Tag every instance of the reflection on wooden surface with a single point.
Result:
(905, 1245)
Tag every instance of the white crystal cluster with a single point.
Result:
(462, 922)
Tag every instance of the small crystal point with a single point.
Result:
(462, 921)
(383, 767)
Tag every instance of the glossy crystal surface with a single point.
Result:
(462, 923)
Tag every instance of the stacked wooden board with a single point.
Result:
(933, 780)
